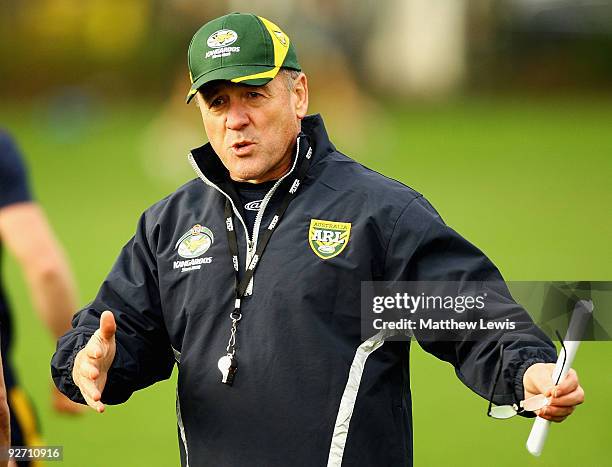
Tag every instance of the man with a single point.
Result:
(25, 232)
(248, 278)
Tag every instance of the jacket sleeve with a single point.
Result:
(423, 248)
(144, 354)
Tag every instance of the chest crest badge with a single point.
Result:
(328, 238)
(195, 242)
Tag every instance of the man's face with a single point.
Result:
(253, 128)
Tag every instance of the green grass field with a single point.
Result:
(527, 181)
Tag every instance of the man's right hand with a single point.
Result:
(93, 361)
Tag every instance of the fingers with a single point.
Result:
(576, 397)
(91, 394)
(88, 370)
(568, 393)
(92, 402)
(108, 327)
(98, 345)
(89, 389)
(566, 396)
(563, 398)
(94, 348)
(93, 361)
(87, 376)
(554, 413)
(567, 384)
(96, 405)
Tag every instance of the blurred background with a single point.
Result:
(500, 112)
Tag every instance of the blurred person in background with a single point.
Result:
(26, 234)
(5, 422)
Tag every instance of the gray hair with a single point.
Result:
(290, 77)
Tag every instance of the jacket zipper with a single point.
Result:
(212, 185)
(251, 244)
(264, 203)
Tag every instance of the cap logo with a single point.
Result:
(222, 38)
(282, 38)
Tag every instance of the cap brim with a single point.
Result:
(229, 73)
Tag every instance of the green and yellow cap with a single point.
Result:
(239, 47)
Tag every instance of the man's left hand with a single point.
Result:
(563, 398)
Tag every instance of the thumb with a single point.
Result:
(108, 327)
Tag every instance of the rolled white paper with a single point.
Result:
(580, 317)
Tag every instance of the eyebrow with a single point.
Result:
(208, 92)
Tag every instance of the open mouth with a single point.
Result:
(242, 147)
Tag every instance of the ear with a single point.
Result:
(300, 91)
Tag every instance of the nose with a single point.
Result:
(237, 116)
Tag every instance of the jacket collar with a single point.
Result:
(210, 165)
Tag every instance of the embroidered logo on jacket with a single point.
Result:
(328, 238)
(195, 242)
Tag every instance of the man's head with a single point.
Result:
(251, 93)
(253, 128)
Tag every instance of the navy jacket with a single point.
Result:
(308, 390)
